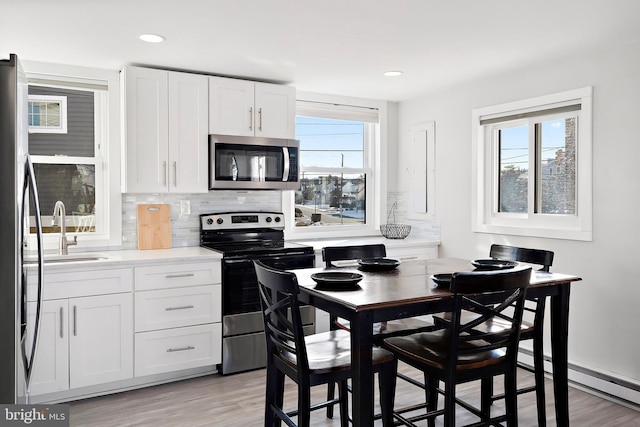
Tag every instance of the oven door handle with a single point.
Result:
(238, 261)
(288, 255)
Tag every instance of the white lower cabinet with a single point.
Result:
(412, 253)
(51, 367)
(100, 339)
(178, 317)
(106, 329)
(84, 341)
(169, 350)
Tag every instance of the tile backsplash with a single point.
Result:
(399, 214)
(186, 210)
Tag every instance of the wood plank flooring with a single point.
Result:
(237, 400)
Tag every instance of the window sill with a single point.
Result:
(545, 232)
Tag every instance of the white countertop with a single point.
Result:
(127, 258)
(132, 257)
(410, 241)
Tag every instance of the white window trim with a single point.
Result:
(376, 196)
(62, 100)
(107, 154)
(486, 220)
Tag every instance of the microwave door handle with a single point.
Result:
(285, 172)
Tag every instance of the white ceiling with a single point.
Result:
(326, 46)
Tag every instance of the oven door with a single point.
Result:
(239, 283)
(243, 342)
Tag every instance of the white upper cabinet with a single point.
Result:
(245, 108)
(165, 116)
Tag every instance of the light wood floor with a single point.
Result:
(237, 400)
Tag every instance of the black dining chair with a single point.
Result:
(459, 351)
(331, 254)
(309, 361)
(532, 325)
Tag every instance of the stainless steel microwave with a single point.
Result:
(253, 163)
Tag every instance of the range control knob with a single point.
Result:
(219, 221)
(278, 219)
(268, 219)
(209, 221)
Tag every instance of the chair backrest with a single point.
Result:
(489, 295)
(281, 315)
(531, 256)
(343, 253)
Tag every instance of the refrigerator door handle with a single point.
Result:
(30, 182)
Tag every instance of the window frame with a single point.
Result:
(486, 168)
(107, 152)
(375, 167)
(62, 100)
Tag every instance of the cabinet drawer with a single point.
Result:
(412, 253)
(175, 349)
(173, 308)
(177, 275)
(78, 284)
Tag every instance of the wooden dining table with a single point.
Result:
(408, 291)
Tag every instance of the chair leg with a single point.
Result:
(331, 387)
(538, 365)
(387, 385)
(274, 396)
(431, 387)
(343, 394)
(511, 399)
(486, 394)
(304, 405)
(450, 403)
(331, 393)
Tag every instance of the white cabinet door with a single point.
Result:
(411, 253)
(275, 110)
(166, 116)
(51, 366)
(245, 108)
(188, 133)
(101, 339)
(231, 106)
(146, 122)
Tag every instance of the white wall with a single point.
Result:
(604, 330)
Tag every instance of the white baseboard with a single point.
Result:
(622, 391)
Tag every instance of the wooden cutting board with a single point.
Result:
(154, 227)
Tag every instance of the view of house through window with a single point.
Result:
(333, 177)
(65, 163)
(542, 152)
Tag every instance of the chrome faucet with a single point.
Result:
(59, 212)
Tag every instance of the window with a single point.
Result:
(533, 161)
(338, 186)
(47, 114)
(77, 166)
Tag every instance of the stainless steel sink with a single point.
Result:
(55, 259)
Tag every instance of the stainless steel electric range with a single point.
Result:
(242, 237)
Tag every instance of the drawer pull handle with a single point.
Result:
(408, 258)
(175, 276)
(189, 347)
(182, 307)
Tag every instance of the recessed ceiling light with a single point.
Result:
(151, 38)
(392, 73)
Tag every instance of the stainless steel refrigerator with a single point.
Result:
(18, 200)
